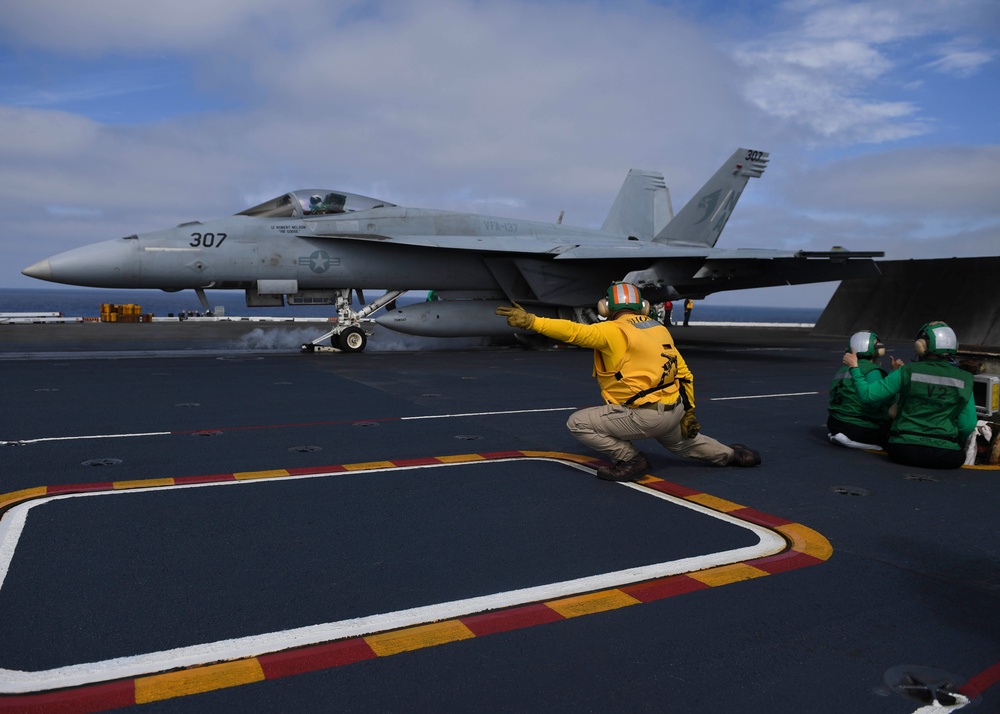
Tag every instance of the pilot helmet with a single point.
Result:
(867, 344)
(936, 338)
(622, 296)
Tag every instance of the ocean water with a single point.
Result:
(86, 302)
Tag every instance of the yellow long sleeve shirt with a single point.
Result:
(632, 354)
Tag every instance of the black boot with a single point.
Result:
(743, 456)
(630, 470)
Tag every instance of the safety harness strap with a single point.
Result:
(646, 392)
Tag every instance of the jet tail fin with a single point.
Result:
(642, 208)
(702, 219)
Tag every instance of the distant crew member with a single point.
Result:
(852, 422)
(936, 413)
(668, 313)
(688, 307)
(647, 387)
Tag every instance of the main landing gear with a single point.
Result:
(349, 335)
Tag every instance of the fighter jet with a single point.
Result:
(318, 246)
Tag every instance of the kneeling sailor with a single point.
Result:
(646, 385)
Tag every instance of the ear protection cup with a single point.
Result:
(645, 308)
(921, 347)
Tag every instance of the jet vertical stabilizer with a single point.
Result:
(702, 219)
(642, 208)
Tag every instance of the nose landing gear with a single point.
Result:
(348, 335)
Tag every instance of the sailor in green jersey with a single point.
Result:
(936, 413)
(852, 422)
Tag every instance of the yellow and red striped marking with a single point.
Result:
(805, 547)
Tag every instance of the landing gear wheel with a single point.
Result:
(353, 339)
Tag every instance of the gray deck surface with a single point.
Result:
(914, 578)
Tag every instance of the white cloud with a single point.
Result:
(197, 26)
(865, 22)
(513, 108)
(824, 69)
(958, 181)
(961, 62)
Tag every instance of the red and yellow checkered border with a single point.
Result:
(805, 547)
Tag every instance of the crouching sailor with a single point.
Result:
(647, 387)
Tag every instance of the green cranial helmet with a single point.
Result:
(867, 344)
(936, 338)
(624, 296)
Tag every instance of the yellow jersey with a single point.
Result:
(635, 359)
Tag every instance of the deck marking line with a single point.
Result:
(761, 396)
(592, 602)
(472, 414)
(310, 648)
(418, 637)
(981, 682)
(144, 483)
(92, 436)
(12, 681)
(195, 681)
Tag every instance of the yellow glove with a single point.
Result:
(689, 425)
(516, 316)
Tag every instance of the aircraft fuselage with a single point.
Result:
(356, 251)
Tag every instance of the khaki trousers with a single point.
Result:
(612, 428)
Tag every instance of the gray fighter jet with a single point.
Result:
(314, 247)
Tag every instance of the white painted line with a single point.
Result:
(471, 414)
(18, 682)
(92, 436)
(761, 396)
(11, 526)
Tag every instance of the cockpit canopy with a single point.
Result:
(313, 202)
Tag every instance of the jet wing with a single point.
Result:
(564, 248)
(541, 245)
(561, 246)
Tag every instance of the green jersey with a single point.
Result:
(847, 406)
(935, 403)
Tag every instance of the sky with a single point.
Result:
(882, 118)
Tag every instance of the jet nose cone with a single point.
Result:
(41, 270)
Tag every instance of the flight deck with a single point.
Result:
(236, 530)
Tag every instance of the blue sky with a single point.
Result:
(882, 118)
